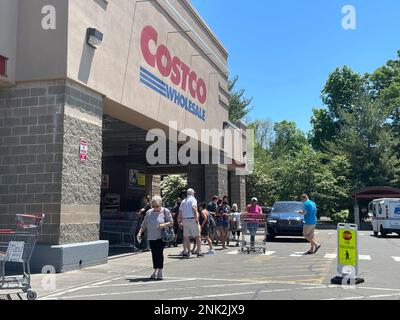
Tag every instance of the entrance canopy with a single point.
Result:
(372, 193)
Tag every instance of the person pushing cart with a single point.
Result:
(252, 219)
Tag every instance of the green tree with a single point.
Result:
(171, 187)
(238, 103)
(264, 132)
(309, 173)
(342, 88)
(368, 143)
(289, 140)
(385, 87)
(324, 128)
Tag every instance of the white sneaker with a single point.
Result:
(211, 251)
(160, 275)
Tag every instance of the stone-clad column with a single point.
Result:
(41, 125)
(216, 181)
(196, 181)
(81, 181)
(238, 191)
(31, 139)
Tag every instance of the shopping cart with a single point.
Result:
(251, 223)
(16, 247)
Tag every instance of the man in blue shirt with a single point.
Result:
(310, 221)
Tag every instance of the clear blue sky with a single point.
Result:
(283, 51)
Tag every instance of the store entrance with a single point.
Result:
(126, 180)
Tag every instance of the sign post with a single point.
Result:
(347, 255)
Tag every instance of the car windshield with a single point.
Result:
(288, 207)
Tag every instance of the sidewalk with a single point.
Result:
(117, 267)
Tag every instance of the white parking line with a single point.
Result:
(139, 283)
(365, 257)
(297, 254)
(330, 256)
(234, 252)
(83, 296)
(397, 259)
(269, 253)
(367, 297)
(247, 293)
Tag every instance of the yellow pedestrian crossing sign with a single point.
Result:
(347, 255)
(347, 247)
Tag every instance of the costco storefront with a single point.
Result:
(77, 103)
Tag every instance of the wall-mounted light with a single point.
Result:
(94, 37)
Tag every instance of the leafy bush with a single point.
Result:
(171, 187)
(341, 216)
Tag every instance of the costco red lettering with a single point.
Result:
(171, 66)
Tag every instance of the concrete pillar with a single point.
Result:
(153, 185)
(196, 181)
(41, 127)
(238, 190)
(156, 185)
(149, 184)
(216, 181)
(357, 214)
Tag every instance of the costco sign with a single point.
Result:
(170, 66)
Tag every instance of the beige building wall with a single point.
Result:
(114, 68)
(42, 53)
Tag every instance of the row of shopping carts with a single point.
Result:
(251, 224)
(16, 248)
(250, 242)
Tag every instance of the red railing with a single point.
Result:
(3, 66)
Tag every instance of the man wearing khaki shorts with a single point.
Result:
(310, 221)
(189, 220)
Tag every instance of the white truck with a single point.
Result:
(385, 216)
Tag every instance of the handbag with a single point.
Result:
(168, 234)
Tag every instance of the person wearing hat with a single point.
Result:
(189, 220)
(252, 215)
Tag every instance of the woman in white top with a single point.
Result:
(156, 219)
(235, 224)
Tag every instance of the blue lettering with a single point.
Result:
(183, 102)
(171, 93)
(178, 97)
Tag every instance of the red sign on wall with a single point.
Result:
(3, 66)
(83, 150)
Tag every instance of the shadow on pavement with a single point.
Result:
(289, 240)
(386, 237)
(177, 257)
(119, 251)
(141, 280)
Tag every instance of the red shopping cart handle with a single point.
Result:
(7, 231)
(30, 215)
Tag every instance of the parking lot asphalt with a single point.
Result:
(281, 273)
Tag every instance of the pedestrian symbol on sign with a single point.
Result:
(347, 256)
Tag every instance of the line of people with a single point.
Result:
(210, 223)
